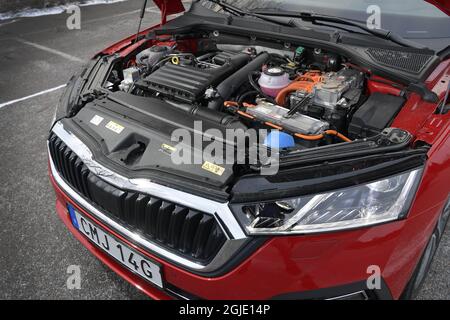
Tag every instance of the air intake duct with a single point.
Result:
(236, 80)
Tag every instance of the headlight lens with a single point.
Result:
(363, 205)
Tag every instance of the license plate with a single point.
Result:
(126, 256)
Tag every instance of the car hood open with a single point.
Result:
(443, 5)
(176, 6)
(169, 7)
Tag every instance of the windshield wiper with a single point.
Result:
(235, 11)
(272, 15)
(314, 18)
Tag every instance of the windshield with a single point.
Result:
(418, 20)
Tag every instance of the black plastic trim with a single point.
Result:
(163, 178)
(329, 293)
(263, 189)
(251, 28)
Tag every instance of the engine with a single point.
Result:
(187, 78)
(307, 94)
(327, 97)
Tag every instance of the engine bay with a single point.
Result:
(306, 97)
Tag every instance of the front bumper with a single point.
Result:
(322, 266)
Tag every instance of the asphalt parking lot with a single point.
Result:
(39, 55)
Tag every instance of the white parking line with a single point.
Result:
(54, 51)
(151, 10)
(6, 23)
(31, 96)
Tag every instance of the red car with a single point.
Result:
(334, 185)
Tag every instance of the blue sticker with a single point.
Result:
(73, 216)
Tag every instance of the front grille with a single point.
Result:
(190, 233)
(400, 60)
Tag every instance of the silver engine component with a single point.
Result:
(330, 93)
(298, 123)
(130, 76)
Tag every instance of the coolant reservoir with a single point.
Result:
(273, 80)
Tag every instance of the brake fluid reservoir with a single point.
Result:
(152, 55)
(273, 80)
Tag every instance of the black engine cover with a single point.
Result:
(374, 115)
(135, 133)
(188, 83)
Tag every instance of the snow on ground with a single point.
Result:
(34, 12)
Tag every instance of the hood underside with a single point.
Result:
(176, 6)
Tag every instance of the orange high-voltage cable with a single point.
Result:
(275, 126)
(305, 82)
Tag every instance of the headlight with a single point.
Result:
(363, 205)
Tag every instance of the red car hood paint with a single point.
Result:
(443, 5)
(168, 7)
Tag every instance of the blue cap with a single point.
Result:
(279, 140)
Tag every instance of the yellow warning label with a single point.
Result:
(168, 148)
(214, 168)
(113, 126)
